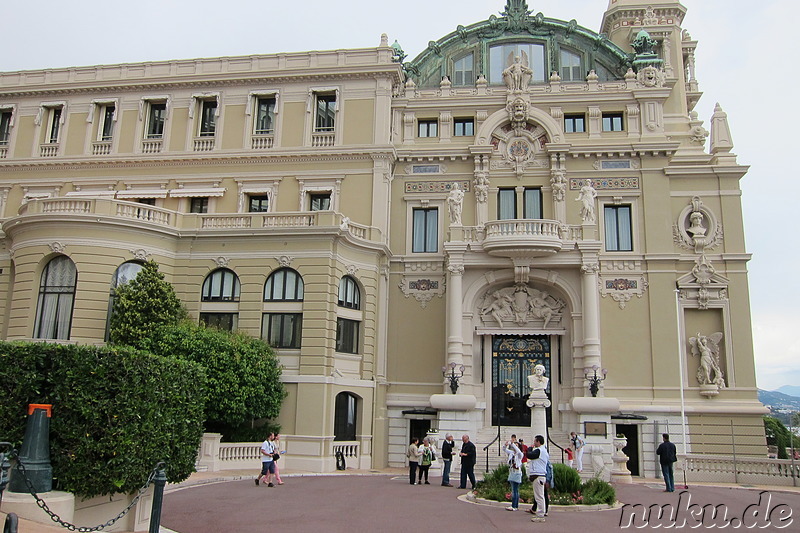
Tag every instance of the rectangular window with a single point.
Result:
(320, 201)
(282, 330)
(347, 335)
(106, 129)
(425, 230)
(223, 321)
(428, 128)
(503, 56)
(54, 125)
(265, 116)
(208, 118)
(155, 120)
(612, 122)
(464, 127)
(619, 236)
(259, 203)
(532, 204)
(574, 124)
(463, 71)
(506, 204)
(325, 119)
(571, 66)
(199, 205)
(5, 127)
(147, 201)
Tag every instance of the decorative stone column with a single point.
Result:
(455, 340)
(591, 315)
(481, 183)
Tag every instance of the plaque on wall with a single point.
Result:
(598, 429)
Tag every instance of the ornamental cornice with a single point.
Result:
(207, 82)
(191, 160)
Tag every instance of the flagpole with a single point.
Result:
(680, 379)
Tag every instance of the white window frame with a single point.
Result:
(311, 185)
(145, 103)
(463, 82)
(251, 109)
(246, 188)
(196, 117)
(45, 114)
(12, 109)
(620, 198)
(424, 203)
(311, 113)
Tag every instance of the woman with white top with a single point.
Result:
(514, 473)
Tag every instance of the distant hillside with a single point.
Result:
(780, 404)
(791, 390)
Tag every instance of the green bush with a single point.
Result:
(596, 491)
(143, 304)
(244, 433)
(566, 479)
(116, 412)
(243, 372)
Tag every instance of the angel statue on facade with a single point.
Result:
(517, 75)
(707, 348)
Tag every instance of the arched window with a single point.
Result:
(56, 299)
(122, 275)
(222, 285)
(344, 418)
(284, 285)
(218, 308)
(282, 326)
(349, 295)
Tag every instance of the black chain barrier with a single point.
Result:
(72, 527)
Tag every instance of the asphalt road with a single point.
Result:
(384, 503)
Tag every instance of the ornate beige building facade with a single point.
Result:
(413, 237)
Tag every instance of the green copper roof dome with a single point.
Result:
(549, 45)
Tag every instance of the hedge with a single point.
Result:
(116, 412)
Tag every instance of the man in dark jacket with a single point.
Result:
(469, 456)
(447, 458)
(667, 456)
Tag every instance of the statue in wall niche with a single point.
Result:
(696, 224)
(517, 76)
(707, 348)
(538, 381)
(455, 201)
(586, 196)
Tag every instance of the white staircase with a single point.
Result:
(497, 456)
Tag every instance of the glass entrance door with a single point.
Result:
(513, 360)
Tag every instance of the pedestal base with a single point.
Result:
(61, 503)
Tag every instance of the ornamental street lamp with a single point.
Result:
(594, 380)
(452, 375)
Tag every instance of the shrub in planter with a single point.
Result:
(596, 491)
(566, 479)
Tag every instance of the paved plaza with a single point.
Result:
(383, 501)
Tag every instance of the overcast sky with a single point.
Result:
(736, 39)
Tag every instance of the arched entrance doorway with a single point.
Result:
(513, 360)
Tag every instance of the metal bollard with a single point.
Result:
(35, 452)
(11, 523)
(158, 497)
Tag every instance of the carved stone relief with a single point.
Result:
(285, 261)
(622, 289)
(697, 228)
(703, 286)
(422, 289)
(522, 305)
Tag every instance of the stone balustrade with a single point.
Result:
(727, 469)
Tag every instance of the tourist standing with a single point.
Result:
(514, 473)
(447, 459)
(267, 461)
(413, 460)
(667, 455)
(538, 458)
(425, 460)
(469, 455)
(578, 444)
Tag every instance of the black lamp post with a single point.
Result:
(449, 371)
(593, 379)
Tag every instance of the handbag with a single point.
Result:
(515, 475)
(276, 456)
